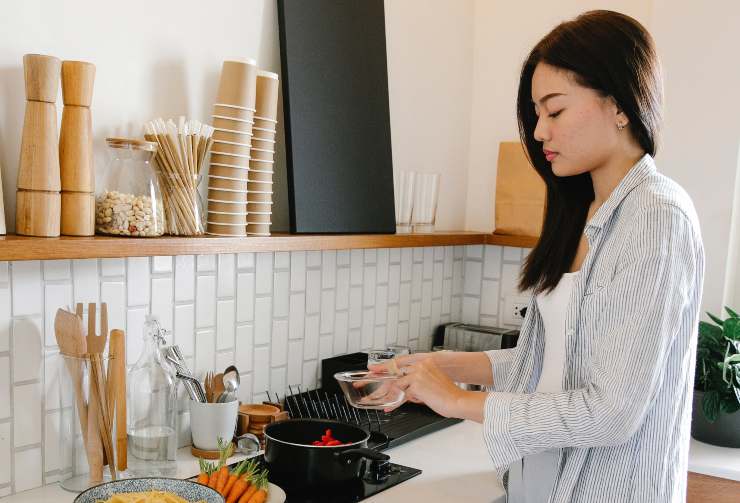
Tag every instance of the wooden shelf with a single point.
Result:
(29, 248)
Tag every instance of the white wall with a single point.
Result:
(698, 45)
(430, 49)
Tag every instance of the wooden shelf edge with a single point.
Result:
(516, 241)
(14, 247)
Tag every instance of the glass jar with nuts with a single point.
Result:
(128, 200)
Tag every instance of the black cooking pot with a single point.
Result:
(294, 462)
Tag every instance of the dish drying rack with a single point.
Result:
(408, 422)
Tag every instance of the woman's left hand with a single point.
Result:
(425, 382)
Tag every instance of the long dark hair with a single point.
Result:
(614, 55)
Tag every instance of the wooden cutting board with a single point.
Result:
(520, 193)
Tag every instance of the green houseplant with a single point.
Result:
(716, 418)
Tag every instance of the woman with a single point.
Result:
(594, 403)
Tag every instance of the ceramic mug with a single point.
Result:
(211, 421)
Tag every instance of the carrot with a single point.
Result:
(204, 472)
(260, 495)
(240, 486)
(235, 475)
(213, 480)
(258, 482)
(248, 494)
(222, 476)
(222, 471)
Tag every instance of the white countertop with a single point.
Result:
(715, 461)
(454, 462)
(455, 467)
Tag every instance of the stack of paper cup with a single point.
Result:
(228, 175)
(262, 156)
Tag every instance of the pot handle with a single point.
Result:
(351, 455)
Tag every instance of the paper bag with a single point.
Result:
(520, 193)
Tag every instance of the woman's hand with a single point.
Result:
(393, 366)
(426, 383)
(423, 382)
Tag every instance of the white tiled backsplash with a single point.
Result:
(275, 315)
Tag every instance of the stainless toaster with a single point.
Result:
(465, 337)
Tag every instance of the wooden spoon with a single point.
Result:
(218, 385)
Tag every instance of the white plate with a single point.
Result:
(275, 494)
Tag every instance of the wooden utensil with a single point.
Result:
(95, 348)
(72, 343)
(117, 393)
(94, 439)
(208, 385)
(218, 385)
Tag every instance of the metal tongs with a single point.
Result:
(192, 385)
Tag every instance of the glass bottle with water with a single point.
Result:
(151, 393)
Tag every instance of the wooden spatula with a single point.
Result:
(72, 343)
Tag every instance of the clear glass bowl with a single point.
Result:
(368, 390)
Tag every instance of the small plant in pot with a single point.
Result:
(716, 416)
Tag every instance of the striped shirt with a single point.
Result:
(622, 421)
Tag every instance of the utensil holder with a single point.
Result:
(211, 421)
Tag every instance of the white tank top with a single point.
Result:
(552, 307)
(532, 479)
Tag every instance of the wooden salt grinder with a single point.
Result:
(38, 202)
(76, 150)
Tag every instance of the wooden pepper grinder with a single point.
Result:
(38, 202)
(76, 150)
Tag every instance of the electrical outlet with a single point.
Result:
(513, 309)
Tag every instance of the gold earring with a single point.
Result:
(620, 126)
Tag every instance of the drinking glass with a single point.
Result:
(426, 196)
(404, 195)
